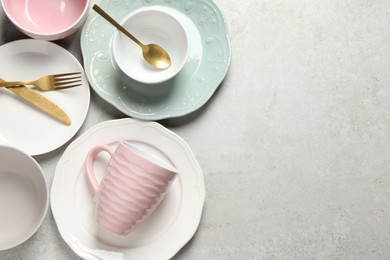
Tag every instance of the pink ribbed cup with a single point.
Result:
(134, 184)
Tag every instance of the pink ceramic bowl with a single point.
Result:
(47, 19)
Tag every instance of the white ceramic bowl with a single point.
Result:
(24, 196)
(47, 19)
(150, 25)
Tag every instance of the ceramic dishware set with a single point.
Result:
(126, 188)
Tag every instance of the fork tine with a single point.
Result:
(67, 82)
(66, 78)
(65, 87)
(66, 74)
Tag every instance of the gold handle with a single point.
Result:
(116, 24)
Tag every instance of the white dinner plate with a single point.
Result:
(163, 233)
(24, 126)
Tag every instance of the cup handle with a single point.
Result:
(89, 164)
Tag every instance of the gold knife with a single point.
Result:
(41, 102)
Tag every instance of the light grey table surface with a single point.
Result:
(295, 143)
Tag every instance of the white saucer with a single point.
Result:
(165, 232)
(24, 126)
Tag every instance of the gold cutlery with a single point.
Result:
(49, 82)
(41, 102)
(154, 54)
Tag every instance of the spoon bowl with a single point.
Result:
(156, 56)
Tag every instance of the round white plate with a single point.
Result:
(167, 230)
(24, 126)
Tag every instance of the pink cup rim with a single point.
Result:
(149, 156)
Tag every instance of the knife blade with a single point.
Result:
(41, 102)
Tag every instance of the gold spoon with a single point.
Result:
(153, 54)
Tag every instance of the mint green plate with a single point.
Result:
(207, 64)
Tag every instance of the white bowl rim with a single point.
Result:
(47, 198)
(70, 27)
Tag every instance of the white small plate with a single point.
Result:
(165, 232)
(24, 126)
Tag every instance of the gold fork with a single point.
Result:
(49, 82)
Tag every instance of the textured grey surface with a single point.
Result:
(294, 145)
